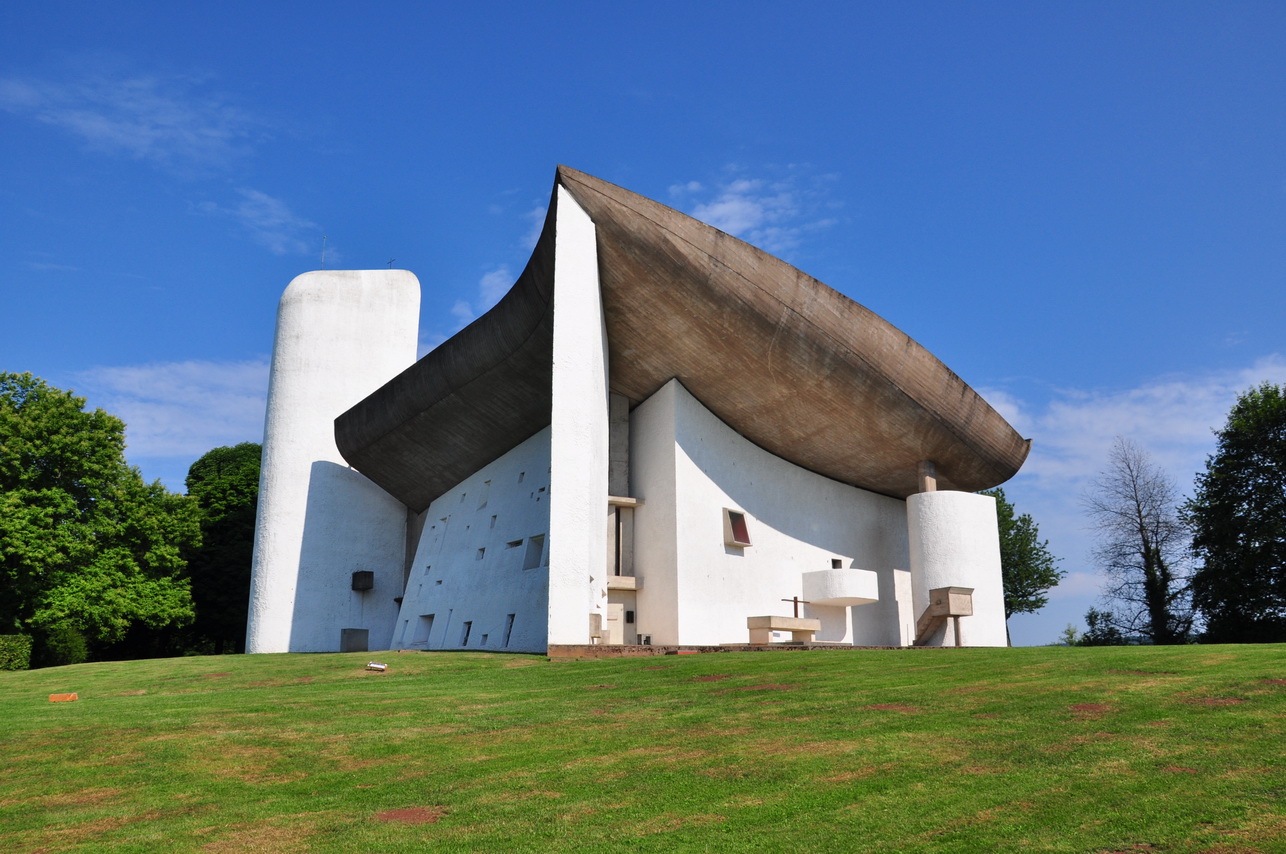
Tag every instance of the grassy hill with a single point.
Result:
(1050, 749)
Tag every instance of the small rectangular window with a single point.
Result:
(481, 554)
(837, 563)
(509, 628)
(629, 617)
(464, 634)
(535, 550)
(423, 628)
(513, 544)
(735, 531)
(486, 490)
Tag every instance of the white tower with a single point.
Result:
(322, 527)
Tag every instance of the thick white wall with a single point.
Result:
(578, 432)
(697, 590)
(340, 335)
(656, 544)
(470, 562)
(954, 542)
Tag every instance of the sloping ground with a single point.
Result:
(1051, 749)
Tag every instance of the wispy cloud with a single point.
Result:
(181, 409)
(772, 211)
(1171, 417)
(535, 221)
(175, 121)
(463, 313)
(493, 284)
(270, 223)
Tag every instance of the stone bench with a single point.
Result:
(801, 628)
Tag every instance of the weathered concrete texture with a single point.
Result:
(794, 366)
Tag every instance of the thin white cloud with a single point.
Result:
(270, 223)
(172, 121)
(1171, 417)
(493, 285)
(774, 213)
(536, 221)
(1077, 585)
(181, 409)
(463, 313)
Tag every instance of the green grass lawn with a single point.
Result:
(1174, 749)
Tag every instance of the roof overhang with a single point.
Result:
(794, 366)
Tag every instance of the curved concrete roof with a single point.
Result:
(796, 367)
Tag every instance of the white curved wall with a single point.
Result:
(687, 466)
(340, 335)
(841, 587)
(954, 542)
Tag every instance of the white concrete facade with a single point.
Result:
(687, 468)
(614, 521)
(480, 576)
(578, 432)
(339, 335)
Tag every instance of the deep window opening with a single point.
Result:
(735, 530)
(535, 551)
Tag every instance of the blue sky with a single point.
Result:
(1080, 207)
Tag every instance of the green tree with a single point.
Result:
(1143, 546)
(1102, 629)
(225, 482)
(1027, 567)
(85, 544)
(1238, 519)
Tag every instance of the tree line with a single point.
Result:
(1210, 568)
(96, 563)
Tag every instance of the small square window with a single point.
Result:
(735, 531)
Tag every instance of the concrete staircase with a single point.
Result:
(944, 602)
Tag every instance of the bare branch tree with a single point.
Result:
(1143, 547)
